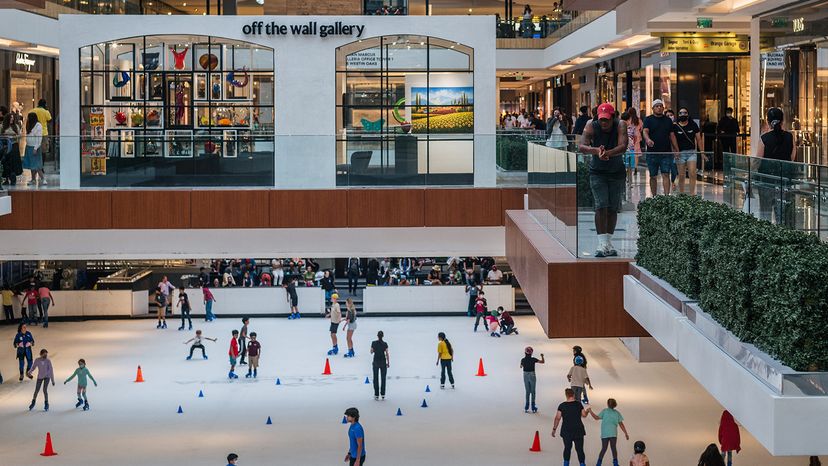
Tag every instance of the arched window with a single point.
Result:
(176, 110)
(405, 111)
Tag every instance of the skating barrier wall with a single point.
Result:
(254, 301)
(92, 303)
(432, 299)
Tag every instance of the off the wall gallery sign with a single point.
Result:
(311, 28)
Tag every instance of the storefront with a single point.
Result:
(277, 101)
(794, 75)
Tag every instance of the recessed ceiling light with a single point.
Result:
(184, 4)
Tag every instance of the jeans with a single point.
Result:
(208, 306)
(44, 310)
(472, 301)
(728, 457)
(193, 348)
(185, 315)
(379, 375)
(481, 315)
(579, 448)
(27, 355)
(611, 441)
(530, 382)
(242, 349)
(33, 312)
(353, 282)
(445, 366)
(508, 329)
(580, 393)
(45, 383)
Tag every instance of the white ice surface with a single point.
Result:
(481, 422)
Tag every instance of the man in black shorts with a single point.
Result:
(606, 140)
(657, 130)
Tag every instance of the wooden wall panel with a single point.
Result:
(463, 207)
(72, 210)
(151, 209)
(386, 208)
(230, 209)
(308, 208)
(22, 212)
(511, 199)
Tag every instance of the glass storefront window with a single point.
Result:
(405, 111)
(176, 110)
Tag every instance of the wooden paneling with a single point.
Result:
(511, 199)
(463, 208)
(22, 212)
(560, 201)
(309, 209)
(72, 210)
(150, 209)
(230, 209)
(386, 208)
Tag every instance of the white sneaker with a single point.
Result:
(43, 182)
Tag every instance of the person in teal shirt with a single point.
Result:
(82, 373)
(611, 420)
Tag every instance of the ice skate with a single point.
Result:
(86, 406)
(204, 356)
(248, 375)
(31, 406)
(350, 353)
(79, 403)
(255, 373)
(46, 406)
(333, 351)
(534, 409)
(189, 357)
(181, 328)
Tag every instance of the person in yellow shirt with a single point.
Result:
(445, 355)
(8, 307)
(44, 116)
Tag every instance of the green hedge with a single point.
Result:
(512, 151)
(764, 283)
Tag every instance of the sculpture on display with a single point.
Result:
(208, 61)
(179, 57)
(231, 78)
(119, 83)
(150, 60)
(120, 118)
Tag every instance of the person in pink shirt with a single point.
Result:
(209, 299)
(46, 299)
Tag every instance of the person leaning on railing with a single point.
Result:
(776, 144)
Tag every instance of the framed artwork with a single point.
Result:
(179, 143)
(201, 87)
(127, 143)
(230, 143)
(153, 144)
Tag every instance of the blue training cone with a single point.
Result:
(344, 420)
(180, 411)
(278, 382)
(367, 381)
(424, 405)
(428, 390)
(200, 394)
(399, 412)
(269, 422)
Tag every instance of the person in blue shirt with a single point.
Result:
(23, 343)
(356, 437)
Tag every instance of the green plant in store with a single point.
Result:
(763, 282)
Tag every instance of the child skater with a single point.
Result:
(161, 303)
(82, 373)
(234, 354)
(254, 350)
(197, 344)
(336, 319)
(45, 374)
(480, 311)
(351, 323)
(493, 323)
(184, 303)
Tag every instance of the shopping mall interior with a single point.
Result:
(228, 227)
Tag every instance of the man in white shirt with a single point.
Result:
(167, 289)
(495, 276)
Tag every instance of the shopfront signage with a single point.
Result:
(779, 22)
(704, 23)
(311, 28)
(23, 59)
(705, 44)
(774, 60)
(798, 24)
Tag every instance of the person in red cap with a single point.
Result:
(729, 437)
(529, 379)
(606, 140)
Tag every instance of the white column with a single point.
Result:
(755, 85)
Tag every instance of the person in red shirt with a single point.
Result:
(729, 437)
(29, 301)
(234, 354)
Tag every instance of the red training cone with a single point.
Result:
(480, 371)
(327, 367)
(536, 443)
(139, 377)
(48, 450)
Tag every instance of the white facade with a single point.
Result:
(305, 81)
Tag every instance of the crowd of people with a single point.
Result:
(25, 136)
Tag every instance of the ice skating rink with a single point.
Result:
(481, 422)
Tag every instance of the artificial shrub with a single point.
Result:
(512, 151)
(762, 282)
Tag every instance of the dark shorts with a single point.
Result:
(607, 191)
(352, 461)
(294, 301)
(334, 327)
(659, 163)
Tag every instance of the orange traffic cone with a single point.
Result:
(536, 443)
(139, 377)
(48, 450)
(480, 371)
(327, 367)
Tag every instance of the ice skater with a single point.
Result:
(480, 311)
(356, 439)
(184, 303)
(23, 342)
(45, 374)
(234, 354)
(507, 324)
(254, 350)
(530, 380)
(336, 318)
(243, 340)
(350, 325)
(382, 361)
(82, 372)
(576, 352)
(292, 298)
(579, 379)
(161, 305)
(639, 458)
(445, 355)
(198, 344)
(209, 299)
(494, 324)
(611, 420)
(231, 459)
(569, 417)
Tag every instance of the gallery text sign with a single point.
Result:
(705, 44)
(311, 28)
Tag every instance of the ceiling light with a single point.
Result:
(184, 4)
(635, 40)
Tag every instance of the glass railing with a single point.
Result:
(547, 28)
(791, 194)
(53, 8)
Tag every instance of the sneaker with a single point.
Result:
(43, 182)
(599, 253)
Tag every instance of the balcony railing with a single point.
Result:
(542, 31)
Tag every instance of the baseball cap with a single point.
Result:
(658, 102)
(606, 111)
